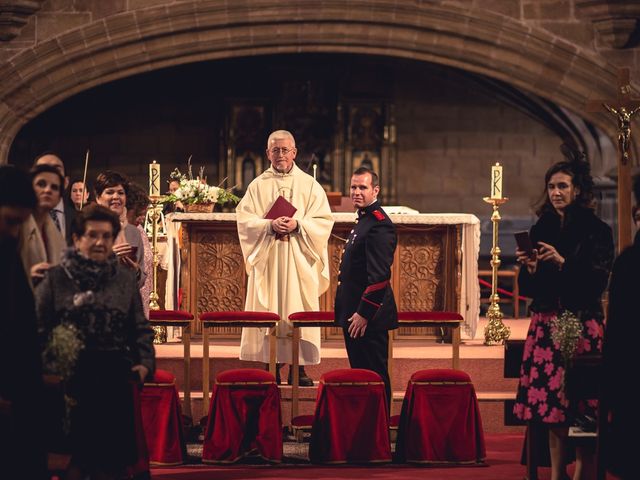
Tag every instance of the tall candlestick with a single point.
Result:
(496, 181)
(154, 179)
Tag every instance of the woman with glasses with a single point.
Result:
(41, 242)
(96, 337)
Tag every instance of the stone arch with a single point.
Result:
(143, 40)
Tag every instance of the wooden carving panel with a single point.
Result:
(420, 283)
(425, 273)
(221, 276)
(336, 247)
(421, 265)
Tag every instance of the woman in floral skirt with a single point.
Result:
(567, 271)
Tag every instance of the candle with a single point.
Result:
(496, 181)
(154, 179)
(315, 167)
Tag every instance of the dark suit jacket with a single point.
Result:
(70, 213)
(365, 270)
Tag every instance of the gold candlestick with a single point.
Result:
(496, 332)
(155, 212)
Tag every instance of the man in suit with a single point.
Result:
(64, 212)
(365, 307)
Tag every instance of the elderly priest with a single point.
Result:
(284, 223)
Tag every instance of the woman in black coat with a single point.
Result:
(568, 270)
(98, 340)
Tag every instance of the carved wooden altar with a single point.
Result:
(427, 272)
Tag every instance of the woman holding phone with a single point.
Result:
(111, 192)
(567, 270)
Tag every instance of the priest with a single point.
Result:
(284, 245)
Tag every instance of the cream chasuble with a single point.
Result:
(284, 276)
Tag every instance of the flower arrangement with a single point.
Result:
(566, 331)
(193, 191)
(60, 356)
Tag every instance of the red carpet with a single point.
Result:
(503, 454)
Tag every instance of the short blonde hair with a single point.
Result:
(281, 135)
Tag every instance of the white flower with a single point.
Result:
(196, 190)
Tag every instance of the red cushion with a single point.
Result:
(394, 421)
(238, 316)
(312, 316)
(244, 375)
(163, 376)
(302, 421)
(350, 375)
(433, 316)
(169, 315)
(440, 375)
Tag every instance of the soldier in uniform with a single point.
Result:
(365, 307)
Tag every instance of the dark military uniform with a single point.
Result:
(363, 287)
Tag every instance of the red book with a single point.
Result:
(281, 208)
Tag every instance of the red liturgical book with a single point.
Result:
(281, 208)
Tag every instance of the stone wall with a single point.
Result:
(566, 51)
(449, 136)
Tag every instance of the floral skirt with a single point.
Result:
(541, 396)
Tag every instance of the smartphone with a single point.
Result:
(524, 242)
(133, 254)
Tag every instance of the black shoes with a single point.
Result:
(305, 380)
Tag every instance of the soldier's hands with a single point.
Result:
(358, 325)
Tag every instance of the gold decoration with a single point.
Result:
(496, 332)
(159, 334)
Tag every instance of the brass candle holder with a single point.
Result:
(155, 214)
(496, 332)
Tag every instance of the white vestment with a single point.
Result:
(284, 276)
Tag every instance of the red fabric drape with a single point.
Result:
(440, 420)
(162, 420)
(142, 465)
(244, 416)
(351, 421)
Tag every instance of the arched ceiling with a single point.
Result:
(144, 40)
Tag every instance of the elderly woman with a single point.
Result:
(40, 239)
(97, 337)
(111, 190)
(567, 270)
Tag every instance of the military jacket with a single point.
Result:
(365, 271)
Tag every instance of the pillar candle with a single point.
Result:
(154, 178)
(496, 181)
